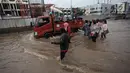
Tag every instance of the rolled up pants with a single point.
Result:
(62, 54)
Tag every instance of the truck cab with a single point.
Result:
(45, 26)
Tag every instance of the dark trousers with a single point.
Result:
(62, 55)
(103, 35)
(89, 34)
(95, 37)
(70, 39)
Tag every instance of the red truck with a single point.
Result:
(45, 26)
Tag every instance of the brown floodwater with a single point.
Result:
(22, 53)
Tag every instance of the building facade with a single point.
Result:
(66, 11)
(123, 8)
(22, 8)
(14, 8)
(98, 9)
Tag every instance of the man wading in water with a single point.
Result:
(64, 43)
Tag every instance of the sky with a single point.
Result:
(75, 3)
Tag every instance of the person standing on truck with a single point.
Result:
(68, 29)
(64, 43)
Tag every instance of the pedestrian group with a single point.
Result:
(95, 28)
(92, 29)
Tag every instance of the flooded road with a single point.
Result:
(21, 53)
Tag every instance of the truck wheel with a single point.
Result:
(46, 35)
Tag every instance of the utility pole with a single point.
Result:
(71, 9)
(30, 9)
(43, 5)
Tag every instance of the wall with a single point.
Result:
(14, 25)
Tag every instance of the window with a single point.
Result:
(96, 12)
(4, 0)
(6, 6)
(8, 13)
(92, 8)
(11, 6)
(69, 11)
(1, 11)
(11, 0)
(18, 6)
(43, 21)
(101, 8)
(25, 0)
(19, 13)
(64, 10)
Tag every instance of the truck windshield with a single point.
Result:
(42, 21)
